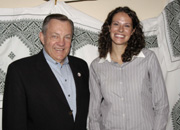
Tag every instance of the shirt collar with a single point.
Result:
(108, 58)
(141, 54)
(51, 60)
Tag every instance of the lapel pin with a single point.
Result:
(79, 74)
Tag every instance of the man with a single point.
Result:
(48, 91)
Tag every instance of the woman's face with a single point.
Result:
(121, 29)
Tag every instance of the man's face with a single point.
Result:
(57, 39)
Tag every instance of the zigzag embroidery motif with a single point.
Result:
(27, 30)
(151, 41)
(176, 116)
(2, 79)
(172, 15)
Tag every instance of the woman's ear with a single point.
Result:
(133, 31)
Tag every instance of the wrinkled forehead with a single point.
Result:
(55, 24)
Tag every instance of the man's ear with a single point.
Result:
(41, 37)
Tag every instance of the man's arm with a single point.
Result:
(14, 101)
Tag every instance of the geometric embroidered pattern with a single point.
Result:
(27, 30)
(83, 37)
(151, 41)
(2, 79)
(173, 19)
(11, 55)
(176, 116)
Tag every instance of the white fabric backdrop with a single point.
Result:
(166, 30)
(19, 38)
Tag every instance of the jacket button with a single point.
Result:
(70, 113)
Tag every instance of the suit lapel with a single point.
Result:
(77, 78)
(50, 81)
(82, 100)
(76, 74)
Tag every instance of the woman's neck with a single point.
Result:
(116, 53)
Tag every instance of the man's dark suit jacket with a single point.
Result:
(34, 100)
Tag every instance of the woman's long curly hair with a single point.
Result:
(135, 43)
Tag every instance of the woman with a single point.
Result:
(126, 83)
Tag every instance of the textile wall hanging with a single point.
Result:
(19, 29)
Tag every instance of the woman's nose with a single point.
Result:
(121, 29)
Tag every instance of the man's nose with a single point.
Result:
(61, 41)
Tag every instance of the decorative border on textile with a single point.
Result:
(151, 41)
(2, 79)
(176, 116)
(83, 37)
(172, 11)
(25, 29)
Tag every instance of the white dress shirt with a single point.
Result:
(131, 96)
(65, 78)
